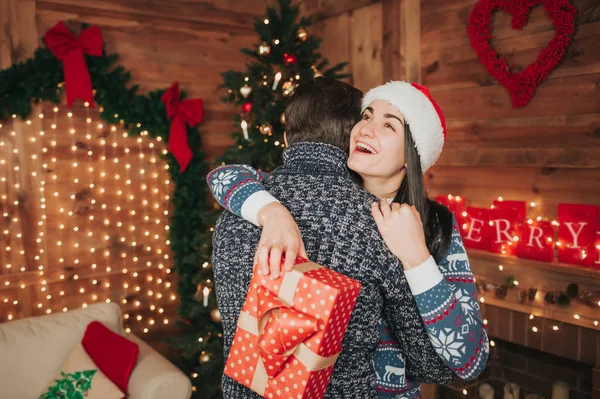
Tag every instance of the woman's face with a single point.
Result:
(377, 142)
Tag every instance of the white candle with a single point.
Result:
(276, 81)
(486, 391)
(245, 129)
(205, 293)
(511, 391)
(560, 390)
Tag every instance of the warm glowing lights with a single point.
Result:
(86, 228)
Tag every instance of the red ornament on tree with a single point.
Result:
(521, 85)
(247, 107)
(289, 59)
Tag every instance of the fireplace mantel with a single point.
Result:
(543, 276)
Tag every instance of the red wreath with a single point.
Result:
(521, 85)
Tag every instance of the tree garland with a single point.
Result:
(40, 78)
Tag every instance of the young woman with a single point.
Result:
(399, 136)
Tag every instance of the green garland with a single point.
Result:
(38, 79)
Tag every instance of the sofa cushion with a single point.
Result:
(114, 354)
(80, 375)
(33, 349)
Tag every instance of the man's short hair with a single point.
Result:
(323, 110)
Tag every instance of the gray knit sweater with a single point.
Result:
(334, 217)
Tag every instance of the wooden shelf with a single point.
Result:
(543, 276)
(557, 267)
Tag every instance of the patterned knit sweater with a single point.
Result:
(332, 213)
(449, 308)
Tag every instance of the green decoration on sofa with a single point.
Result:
(72, 386)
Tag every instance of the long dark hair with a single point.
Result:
(436, 218)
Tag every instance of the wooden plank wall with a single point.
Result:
(86, 165)
(547, 152)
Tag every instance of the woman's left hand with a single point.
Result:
(402, 230)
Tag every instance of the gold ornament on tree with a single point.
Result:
(245, 91)
(215, 314)
(288, 88)
(316, 71)
(301, 35)
(282, 118)
(266, 129)
(264, 49)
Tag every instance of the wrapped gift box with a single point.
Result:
(290, 331)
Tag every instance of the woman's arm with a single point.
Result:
(422, 362)
(446, 297)
(239, 189)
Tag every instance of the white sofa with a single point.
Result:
(33, 349)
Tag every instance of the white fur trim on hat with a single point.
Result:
(419, 113)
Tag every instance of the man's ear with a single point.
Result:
(285, 138)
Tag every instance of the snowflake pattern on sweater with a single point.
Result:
(445, 294)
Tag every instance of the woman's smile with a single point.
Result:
(363, 148)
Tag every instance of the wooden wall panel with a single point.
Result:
(547, 187)
(367, 42)
(336, 33)
(324, 9)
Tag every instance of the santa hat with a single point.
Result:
(421, 112)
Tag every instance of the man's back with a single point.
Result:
(333, 215)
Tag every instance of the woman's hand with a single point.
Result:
(402, 230)
(280, 236)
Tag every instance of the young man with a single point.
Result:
(334, 216)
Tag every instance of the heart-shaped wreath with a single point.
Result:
(521, 85)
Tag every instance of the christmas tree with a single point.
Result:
(285, 55)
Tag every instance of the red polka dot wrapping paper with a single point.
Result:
(290, 331)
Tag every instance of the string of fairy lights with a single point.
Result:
(102, 223)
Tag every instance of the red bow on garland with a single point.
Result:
(181, 113)
(69, 50)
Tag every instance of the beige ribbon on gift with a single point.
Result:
(310, 360)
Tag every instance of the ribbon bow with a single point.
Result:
(70, 50)
(281, 330)
(181, 113)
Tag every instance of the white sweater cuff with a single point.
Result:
(255, 203)
(424, 277)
